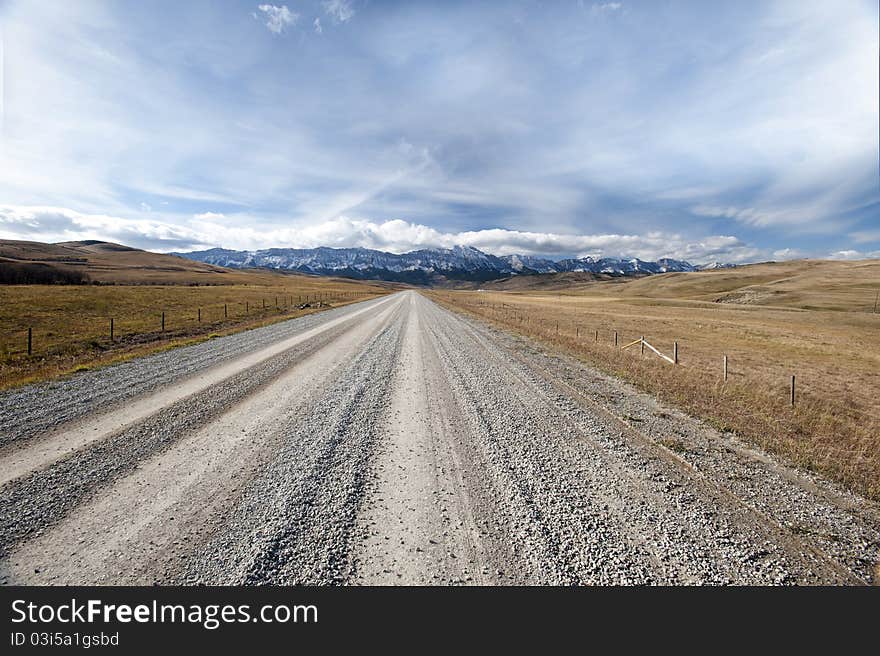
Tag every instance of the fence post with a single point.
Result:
(30, 340)
(597, 335)
(247, 307)
(674, 352)
(615, 339)
(200, 315)
(792, 389)
(725, 368)
(577, 331)
(111, 329)
(225, 311)
(163, 322)
(642, 344)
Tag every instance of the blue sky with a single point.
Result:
(736, 131)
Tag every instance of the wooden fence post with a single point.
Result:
(792, 390)
(247, 307)
(111, 329)
(725, 368)
(163, 322)
(642, 344)
(597, 335)
(674, 352)
(30, 340)
(615, 339)
(225, 311)
(200, 315)
(577, 331)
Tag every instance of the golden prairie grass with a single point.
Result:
(834, 426)
(71, 323)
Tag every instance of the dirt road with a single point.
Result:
(393, 442)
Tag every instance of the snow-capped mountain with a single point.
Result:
(623, 267)
(530, 264)
(714, 265)
(425, 266)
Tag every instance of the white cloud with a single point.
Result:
(278, 18)
(54, 224)
(850, 254)
(318, 27)
(340, 10)
(240, 232)
(788, 254)
(607, 6)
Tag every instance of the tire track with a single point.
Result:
(42, 498)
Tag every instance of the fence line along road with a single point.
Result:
(30, 345)
(523, 317)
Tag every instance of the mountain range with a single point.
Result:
(428, 266)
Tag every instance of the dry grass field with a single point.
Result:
(813, 320)
(70, 324)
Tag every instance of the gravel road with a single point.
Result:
(395, 442)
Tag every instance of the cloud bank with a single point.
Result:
(209, 229)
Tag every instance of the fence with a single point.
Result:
(167, 323)
(516, 315)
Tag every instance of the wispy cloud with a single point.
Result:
(317, 26)
(866, 236)
(278, 18)
(607, 6)
(339, 10)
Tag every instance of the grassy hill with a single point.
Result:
(570, 281)
(806, 284)
(108, 263)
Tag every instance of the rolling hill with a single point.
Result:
(98, 261)
(804, 284)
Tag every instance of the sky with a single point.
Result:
(733, 131)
